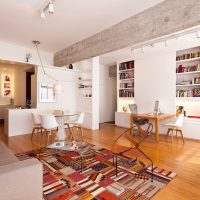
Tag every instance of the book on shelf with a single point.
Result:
(188, 56)
(126, 93)
(183, 69)
(188, 93)
(126, 65)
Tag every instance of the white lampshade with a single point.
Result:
(57, 88)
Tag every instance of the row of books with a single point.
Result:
(126, 85)
(181, 69)
(126, 65)
(126, 75)
(188, 93)
(188, 56)
(126, 93)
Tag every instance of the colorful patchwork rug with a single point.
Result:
(66, 177)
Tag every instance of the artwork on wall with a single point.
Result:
(46, 92)
(6, 85)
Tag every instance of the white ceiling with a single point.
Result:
(72, 21)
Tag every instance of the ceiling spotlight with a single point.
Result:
(51, 7)
(142, 49)
(198, 34)
(152, 45)
(166, 43)
(42, 15)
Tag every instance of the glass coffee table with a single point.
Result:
(84, 150)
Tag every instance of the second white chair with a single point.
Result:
(36, 119)
(176, 127)
(50, 124)
(76, 123)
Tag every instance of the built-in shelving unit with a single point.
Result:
(125, 85)
(126, 79)
(188, 73)
(88, 91)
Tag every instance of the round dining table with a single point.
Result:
(61, 122)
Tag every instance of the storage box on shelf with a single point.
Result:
(125, 92)
(188, 73)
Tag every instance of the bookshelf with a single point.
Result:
(126, 79)
(188, 73)
(125, 92)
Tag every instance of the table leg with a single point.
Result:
(156, 131)
(61, 128)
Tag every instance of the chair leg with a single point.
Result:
(172, 135)
(81, 133)
(32, 133)
(168, 131)
(152, 175)
(182, 136)
(48, 133)
(116, 165)
(70, 133)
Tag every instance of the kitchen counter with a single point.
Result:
(18, 121)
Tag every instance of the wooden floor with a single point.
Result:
(182, 159)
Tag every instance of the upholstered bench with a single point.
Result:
(19, 180)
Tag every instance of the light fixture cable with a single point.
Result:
(36, 43)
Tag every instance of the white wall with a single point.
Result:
(17, 53)
(107, 95)
(20, 88)
(155, 79)
(67, 100)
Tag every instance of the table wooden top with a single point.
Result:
(154, 116)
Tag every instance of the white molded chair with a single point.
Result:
(36, 119)
(50, 124)
(76, 123)
(176, 127)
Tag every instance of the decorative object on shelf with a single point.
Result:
(70, 66)
(57, 86)
(28, 56)
(179, 110)
(125, 108)
(28, 104)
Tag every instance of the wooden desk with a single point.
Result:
(156, 118)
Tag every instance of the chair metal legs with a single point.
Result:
(150, 161)
(115, 163)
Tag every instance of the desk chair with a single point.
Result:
(175, 127)
(75, 124)
(138, 122)
(120, 148)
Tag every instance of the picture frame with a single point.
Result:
(46, 93)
